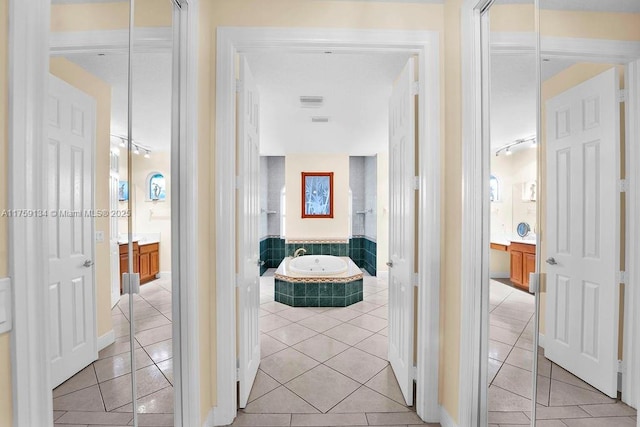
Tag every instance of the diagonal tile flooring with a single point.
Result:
(325, 366)
(563, 399)
(100, 394)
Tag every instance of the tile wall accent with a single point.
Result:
(356, 183)
(371, 197)
(264, 255)
(275, 166)
(360, 249)
(297, 294)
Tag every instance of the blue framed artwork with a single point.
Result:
(123, 191)
(317, 194)
(157, 187)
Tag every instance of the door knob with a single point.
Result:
(389, 264)
(551, 261)
(88, 263)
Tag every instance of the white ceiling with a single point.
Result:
(355, 87)
(513, 98)
(151, 94)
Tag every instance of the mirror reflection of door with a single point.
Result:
(513, 213)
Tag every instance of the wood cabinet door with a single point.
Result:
(124, 265)
(154, 258)
(516, 267)
(529, 267)
(145, 265)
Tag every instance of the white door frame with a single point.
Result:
(28, 74)
(425, 44)
(475, 156)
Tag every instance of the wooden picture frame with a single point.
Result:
(317, 195)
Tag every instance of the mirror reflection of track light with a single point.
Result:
(508, 149)
(137, 147)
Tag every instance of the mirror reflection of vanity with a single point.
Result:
(513, 213)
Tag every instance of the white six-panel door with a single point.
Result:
(401, 228)
(72, 321)
(583, 230)
(248, 224)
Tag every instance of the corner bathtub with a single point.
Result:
(318, 281)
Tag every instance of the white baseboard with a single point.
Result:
(540, 340)
(106, 340)
(164, 274)
(500, 275)
(445, 419)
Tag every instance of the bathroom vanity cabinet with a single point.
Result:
(146, 261)
(523, 262)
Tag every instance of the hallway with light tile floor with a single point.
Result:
(563, 399)
(100, 394)
(325, 366)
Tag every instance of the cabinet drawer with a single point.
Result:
(151, 247)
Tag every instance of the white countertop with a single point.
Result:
(507, 242)
(141, 238)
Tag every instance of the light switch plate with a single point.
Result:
(5, 305)
(99, 236)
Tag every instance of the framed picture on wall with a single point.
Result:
(317, 194)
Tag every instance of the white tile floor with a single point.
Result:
(326, 366)
(100, 394)
(563, 399)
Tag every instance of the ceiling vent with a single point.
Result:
(311, 101)
(317, 119)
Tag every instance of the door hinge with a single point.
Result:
(238, 182)
(534, 282)
(622, 277)
(622, 186)
(414, 373)
(238, 85)
(237, 280)
(416, 280)
(621, 366)
(416, 183)
(130, 283)
(622, 95)
(237, 369)
(415, 88)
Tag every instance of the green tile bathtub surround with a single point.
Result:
(318, 294)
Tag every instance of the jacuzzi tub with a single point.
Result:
(318, 281)
(318, 265)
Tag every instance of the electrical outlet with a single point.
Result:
(99, 236)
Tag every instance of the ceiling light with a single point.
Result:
(508, 152)
(122, 143)
(319, 119)
(147, 155)
(136, 150)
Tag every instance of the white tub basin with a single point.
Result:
(317, 265)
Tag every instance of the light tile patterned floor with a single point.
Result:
(563, 399)
(326, 366)
(100, 394)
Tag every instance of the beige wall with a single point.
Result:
(101, 92)
(6, 411)
(298, 228)
(382, 215)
